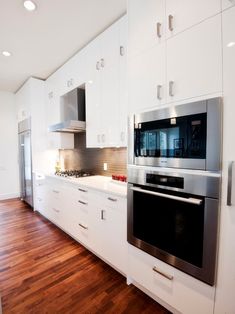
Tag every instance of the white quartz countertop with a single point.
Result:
(100, 183)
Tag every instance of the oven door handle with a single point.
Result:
(190, 200)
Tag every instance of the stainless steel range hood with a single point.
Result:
(72, 113)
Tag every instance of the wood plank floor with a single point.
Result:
(43, 270)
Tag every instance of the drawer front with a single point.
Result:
(181, 291)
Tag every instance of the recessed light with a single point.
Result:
(29, 5)
(6, 53)
(231, 44)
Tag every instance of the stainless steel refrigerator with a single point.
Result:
(25, 161)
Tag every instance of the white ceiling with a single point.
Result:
(41, 41)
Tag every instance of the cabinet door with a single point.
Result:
(146, 24)
(109, 105)
(55, 140)
(194, 61)
(147, 79)
(225, 301)
(73, 73)
(93, 95)
(123, 100)
(182, 14)
(227, 3)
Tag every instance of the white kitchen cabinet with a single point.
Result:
(177, 289)
(123, 95)
(103, 89)
(78, 211)
(73, 73)
(108, 229)
(146, 24)
(194, 61)
(53, 115)
(182, 14)
(30, 101)
(225, 301)
(40, 193)
(147, 79)
(227, 4)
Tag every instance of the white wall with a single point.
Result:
(9, 173)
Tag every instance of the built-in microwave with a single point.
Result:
(185, 136)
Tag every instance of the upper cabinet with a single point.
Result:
(150, 22)
(53, 115)
(183, 66)
(194, 61)
(73, 73)
(227, 3)
(182, 14)
(146, 24)
(106, 96)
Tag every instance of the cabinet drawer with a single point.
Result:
(181, 291)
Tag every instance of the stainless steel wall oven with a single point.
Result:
(173, 212)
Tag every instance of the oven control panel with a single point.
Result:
(174, 182)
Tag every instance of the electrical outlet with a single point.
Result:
(105, 166)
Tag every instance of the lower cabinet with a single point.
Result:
(95, 219)
(175, 288)
(108, 229)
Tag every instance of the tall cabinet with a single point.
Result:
(225, 301)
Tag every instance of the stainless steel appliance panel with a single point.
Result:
(25, 162)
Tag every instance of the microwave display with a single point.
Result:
(181, 137)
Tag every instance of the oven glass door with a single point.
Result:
(181, 137)
(173, 226)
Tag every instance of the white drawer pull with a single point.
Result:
(170, 277)
(55, 191)
(56, 210)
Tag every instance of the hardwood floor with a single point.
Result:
(43, 270)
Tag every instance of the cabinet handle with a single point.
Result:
(102, 63)
(81, 202)
(230, 183)
(56, 210)
(103, 138)
(55, 191)
(122, 136)
(102, 214)
(71, 82)
(82, 226)
(171, 84)
(159, 25)
(170, 277)
(98, 138)
(39, 199)
(170, 22)
(159, 87)
(112, 199)
(122, 51)
(98, 65)
(82, 190)
(68, 83)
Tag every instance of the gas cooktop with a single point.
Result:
(73, 173)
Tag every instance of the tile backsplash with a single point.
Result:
(92, 159)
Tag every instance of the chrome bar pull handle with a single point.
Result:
(81, 202)
(82, 190)
(170, 22)
(171, 84)
(97, 65)
(83, 227)
(159, 25)
(170, 277)
(112, 199)
(159, 87)
(122, 51)
(102, 214)
(230, 183)
(190, 200)
(102, 63)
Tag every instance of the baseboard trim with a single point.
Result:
(9, 196)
